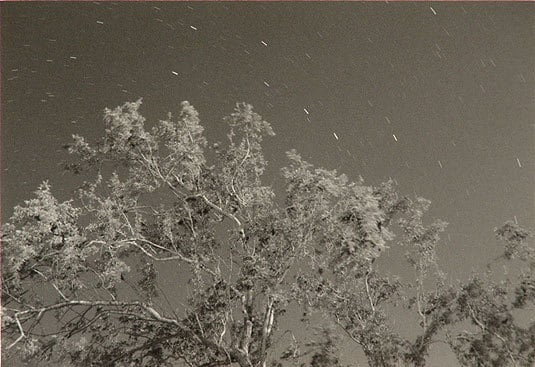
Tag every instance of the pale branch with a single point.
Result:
(199, 324)
(475, 319)
(223, 332)
(40, 311)
(419, 295)
(224, 212)
(155, 258)
(268, 324)
(21, 336)
(129, 224)
(368, 293)
(60, 292)
(346, 331)
(192, 225)
(246, 300)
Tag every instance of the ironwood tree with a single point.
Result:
(174, 252)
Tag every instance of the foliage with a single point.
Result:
(177, 254)
(497, 338)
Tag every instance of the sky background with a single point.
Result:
(438, 96)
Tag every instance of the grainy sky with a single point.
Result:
(438, 96)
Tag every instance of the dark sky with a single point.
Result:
(439, 96)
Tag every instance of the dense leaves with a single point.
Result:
(176, 253)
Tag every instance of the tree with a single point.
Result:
(173, 252)
(490, 307)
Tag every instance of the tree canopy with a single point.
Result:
(174, 252)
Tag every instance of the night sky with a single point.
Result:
(438, 96)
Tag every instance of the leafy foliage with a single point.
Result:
(499, 339)
(177, 254)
